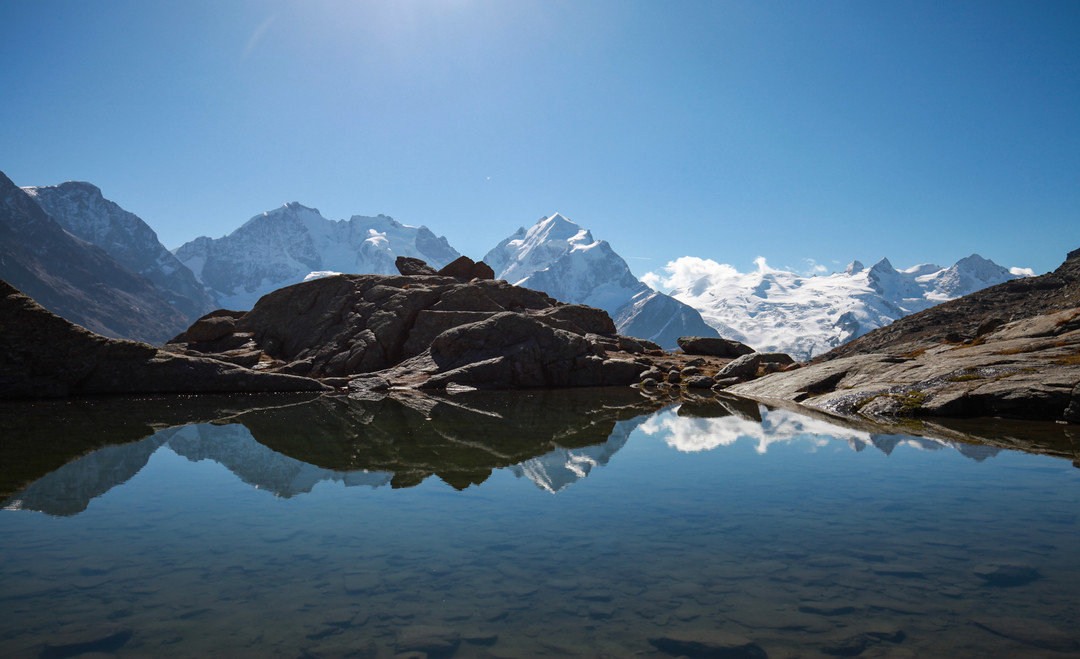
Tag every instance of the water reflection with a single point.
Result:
(716, 525)
(689, 431)
(286, 446)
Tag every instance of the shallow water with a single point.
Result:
(538, 525)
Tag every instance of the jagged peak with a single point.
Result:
(854, 267)
(883, 264)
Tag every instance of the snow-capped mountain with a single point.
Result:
(292, 243)
(778, 310)
(562, 259)
(82, 210)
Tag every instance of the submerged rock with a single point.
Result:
(708, 644)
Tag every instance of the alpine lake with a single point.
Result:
(572, 523)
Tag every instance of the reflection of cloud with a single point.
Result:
(693, 434)
(697, 434)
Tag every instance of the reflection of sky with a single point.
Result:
(690, 435)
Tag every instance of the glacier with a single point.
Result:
(805, 316)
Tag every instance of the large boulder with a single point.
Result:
(713, 346)
(408, 265)
(348, 325)
(465, 269)
(516, 351)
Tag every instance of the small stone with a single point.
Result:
(700, 382)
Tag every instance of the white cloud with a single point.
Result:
(1022, 272)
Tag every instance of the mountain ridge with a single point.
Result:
(805, 316)
(564, 260)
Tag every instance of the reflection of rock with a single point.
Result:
(287, 446)
(459, 438)
(78, 427)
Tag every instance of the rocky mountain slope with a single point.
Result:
(45, 356)
(1008, 350)
(76, 279)
(781, 311)
(82, 211)
(562, 259)
(292, 243)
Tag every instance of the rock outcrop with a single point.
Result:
(1011, 350)
(44, 356)
(422, 330)
(713, 346)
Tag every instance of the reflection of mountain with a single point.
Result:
(562, 467)
(289, 447)
(69, 489)
(234, 448)
(288, 444)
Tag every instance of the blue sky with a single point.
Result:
(831, 131)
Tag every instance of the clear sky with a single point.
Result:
(728, 130)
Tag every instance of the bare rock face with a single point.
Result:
(713, 346)
(422, 330)
(45, 356)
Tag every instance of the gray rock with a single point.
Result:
(781, 358)
(211, 329)
(408, 265)
(466, 269)
(744, 367)
(700, 382)
(713, 346)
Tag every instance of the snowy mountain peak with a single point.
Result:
(563, 259)
(807, 316)
(288, 244)
(883, 266)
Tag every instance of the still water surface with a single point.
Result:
(555, 525)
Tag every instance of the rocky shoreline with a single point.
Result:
(1012, 350)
